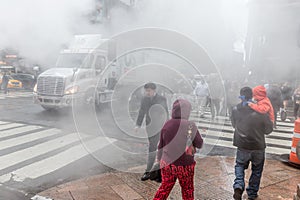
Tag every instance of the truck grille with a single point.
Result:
(50, 86)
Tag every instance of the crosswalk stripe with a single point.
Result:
(16, 95)
(227, 128)
(220, 133)
(228, 144)
(268, 140)
(31, 152)
(207, 114)
(56, 162)
(278, 151)
(26, 138)
(58, 151)
(19, 130)
(10, 126)
(1, 123)
(282, 135)
(35, 159)
(223, 143)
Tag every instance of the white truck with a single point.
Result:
(76, 74)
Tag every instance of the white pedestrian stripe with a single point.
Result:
(13, 131)
(10, 126)
(16, 94)
(27, 138)
(55, 150)
(31, 152)
(268, 140)
(56, 162)
(220, 133)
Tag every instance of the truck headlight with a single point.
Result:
(72, 90)
(35, 88)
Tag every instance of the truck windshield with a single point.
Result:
(74, 60)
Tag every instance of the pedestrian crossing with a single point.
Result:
(32, 151)
(16, 94)
(219, 132)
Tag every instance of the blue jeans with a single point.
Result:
(243, 157)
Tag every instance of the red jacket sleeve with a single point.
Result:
(264, 107)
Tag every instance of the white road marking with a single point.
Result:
(34, 151)
(27, 138)
(56, 162)
(19, 130)
(8, 126)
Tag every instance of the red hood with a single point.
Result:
(181, 109)
(259, 92)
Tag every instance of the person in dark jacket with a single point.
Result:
(296, 99)
(154, 107)
(5, 80)
(275, 96)
(175, 161)
(287, 93)
(249, 138)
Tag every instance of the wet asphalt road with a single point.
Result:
(111, 122)
(24, 111)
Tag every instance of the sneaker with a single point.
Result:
(145, 176)
(237, 194)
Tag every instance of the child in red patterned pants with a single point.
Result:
(185, 175)
(178, 140)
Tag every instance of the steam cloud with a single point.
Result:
(37, 29)
(215, 24)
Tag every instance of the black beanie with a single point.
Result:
(247, 92)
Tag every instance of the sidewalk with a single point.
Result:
(213, 180)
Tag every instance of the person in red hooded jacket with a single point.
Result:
(176, 161)
(263, 104)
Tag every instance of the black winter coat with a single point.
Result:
(156, 111)
(275, 96)
(250, 128)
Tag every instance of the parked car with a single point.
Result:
(27, 80)
(12, 83)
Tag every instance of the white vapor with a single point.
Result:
(38, 28)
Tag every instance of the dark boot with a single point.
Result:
(145, 176)
(237, 194)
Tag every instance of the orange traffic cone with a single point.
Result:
(293, 158)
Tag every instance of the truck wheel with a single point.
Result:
(283, 115)
(90, 98)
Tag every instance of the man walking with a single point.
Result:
(249, 138)
(201, 94)
(296, 98)
(275, 96)
(154, 106)
(5, 80)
